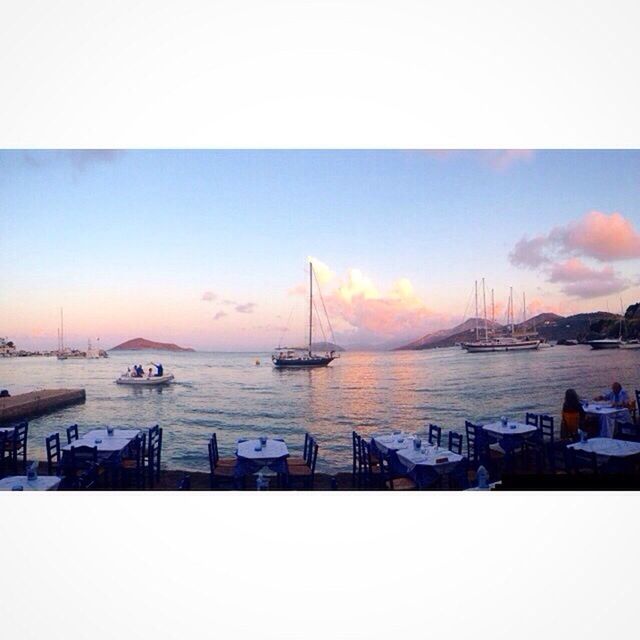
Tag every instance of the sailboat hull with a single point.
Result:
(471, 347)
(302, 363)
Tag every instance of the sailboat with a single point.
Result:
(303, 357)
(492, 344)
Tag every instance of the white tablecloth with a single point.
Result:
(271, 451)
(41, 483)
(513, 428)
(608, 447)
(393, 442)
(411, 458)
(607, 416)
(119, 441)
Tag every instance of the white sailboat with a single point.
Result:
(303, 357)
(492, 344)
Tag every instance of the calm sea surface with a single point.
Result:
(229, 394)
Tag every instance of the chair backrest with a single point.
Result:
(313, 455)
(83, 457)
(626, 431)
(20, 432)
(52, 443)
(580, 461)
(364, 458)
(435, 434)
(355, 451)
(212, 455)
(137, 449)
(475, 442)
(547, 427)
(455, 442)
(214, 447)
(306, 449)
(72, 433)
(154, 450)
(531, 419)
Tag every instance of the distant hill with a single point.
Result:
(449, 337)
(141, 344)
(326, 346)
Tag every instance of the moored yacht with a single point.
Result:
(491, 344)
(303, 357)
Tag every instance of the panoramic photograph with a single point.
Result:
(284, 320)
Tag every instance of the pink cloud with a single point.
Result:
(600, 236)
(529, 252)
(209, 296)
(220, 314)
(362, 310)
(582, 281)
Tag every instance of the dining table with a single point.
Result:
(256, 454)
(24, 483)
(607, 416)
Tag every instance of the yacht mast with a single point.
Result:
(484, 305)
(511, 307)
(493, 311)
(476, 288)
(310, 305)
(524, 311)
(61, 331)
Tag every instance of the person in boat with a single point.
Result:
(160, 370)
(618, 397)
(573, 415)
(150, 374)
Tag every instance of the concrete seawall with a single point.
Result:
(35, 403)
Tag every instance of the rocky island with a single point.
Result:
(142, 344)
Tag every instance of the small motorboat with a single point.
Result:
(630, 344)
(145, 381)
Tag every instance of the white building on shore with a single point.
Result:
(7, 348)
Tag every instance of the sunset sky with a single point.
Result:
(208, 248)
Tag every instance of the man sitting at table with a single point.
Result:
(618, 397)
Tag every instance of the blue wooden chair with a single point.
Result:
(219, 475)
(72, 433)
(305, 473)
(626, 431)
(531, 419)
(455, 442)
(435, 435)
(391, 480)
(581, 462)
(52, 445)
(131, 468)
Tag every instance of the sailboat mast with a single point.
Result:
(476, 289)
(493, 311)
(61, 330)
(524, 311)
(511, 307)
(310, 305)
(484, 305)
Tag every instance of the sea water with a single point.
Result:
(367, 392)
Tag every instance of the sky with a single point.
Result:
(210, 249)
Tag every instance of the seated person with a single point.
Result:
(160, 370)
(150, 372)
(618, 397)
(573, 416)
